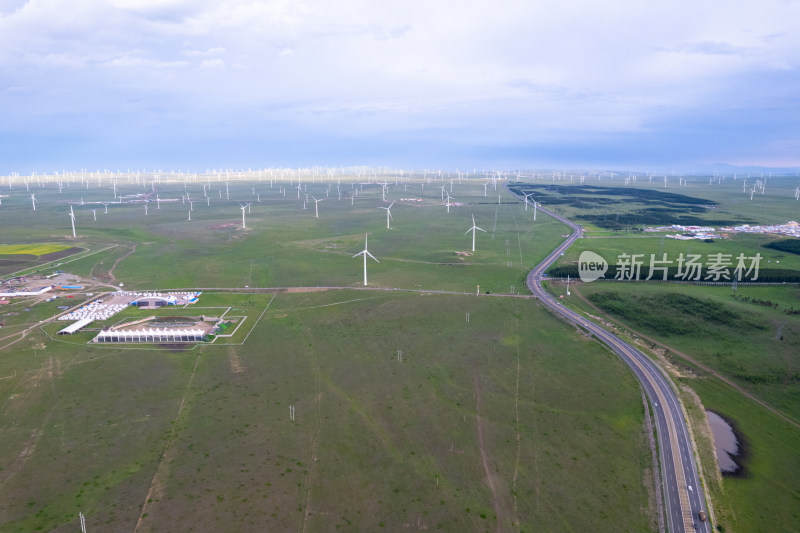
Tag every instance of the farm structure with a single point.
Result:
(151, 335)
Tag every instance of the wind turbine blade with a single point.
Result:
(372, 256)
(480, 229)
(470, 229)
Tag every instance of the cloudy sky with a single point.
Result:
(197, 84)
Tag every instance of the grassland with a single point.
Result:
(197, 439)
(499, 418)
(734, 349)
(284, 245)
(204, 438)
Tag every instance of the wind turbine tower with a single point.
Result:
(473, 229)
(72, 219)
(365, 253)
(526, 200)
(388, 214)
(316, 206)
(243, 207)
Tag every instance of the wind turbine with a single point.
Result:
(72, 219)
(316, 206)
(472, 229)
(243, 207)
(388, 214)
(448, 200)
(33, 201)
(526, 200)
(365, 253)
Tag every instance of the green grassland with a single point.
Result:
(747, 336)
(733, 332)
(377, 443)
(197, 438)
(284, 245)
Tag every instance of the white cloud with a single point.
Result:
(529, 67)
(143, 62)
(216, 51)
(212, 63)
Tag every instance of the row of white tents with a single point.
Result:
(151, 335)
(94, 311)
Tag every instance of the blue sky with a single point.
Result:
(180, 84)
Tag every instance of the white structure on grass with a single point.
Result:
(151, 335)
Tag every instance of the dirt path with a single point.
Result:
(489, 475)
(47, 370)
(111, 271)
(516, 428)
(689, 358)
(156, 484)
(314, 441)
(235, 361)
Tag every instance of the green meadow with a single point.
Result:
(406, 415)
(735, 346)
(413, 408)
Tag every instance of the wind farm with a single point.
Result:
(507, 267)
(292, 281)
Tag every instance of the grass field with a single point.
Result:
(377, 443)
(498, 416)
(750, 343)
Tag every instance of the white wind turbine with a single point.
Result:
(316, 206)
(243, 207)
(365, 253)
(33, 201)
(448, 201)
(472, 229)
(388, 214)
(72, 219)
(526, 200)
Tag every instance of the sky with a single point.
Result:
(196, 84)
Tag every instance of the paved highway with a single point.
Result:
(678, 468)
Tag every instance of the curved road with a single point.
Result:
(678, 468)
